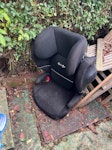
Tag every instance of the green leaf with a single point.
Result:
(20, 38)
(2, 40)
(26, 36)
(1, 49)
(3, 31)
(6, 17)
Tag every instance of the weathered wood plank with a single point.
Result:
(7, 135)
(91, 50)
(99, 55)
(90, 97)
(108, 37)
(107, 99)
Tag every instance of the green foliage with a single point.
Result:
(22, 20)
(86, 16)
(4, 24)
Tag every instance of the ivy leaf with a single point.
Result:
(2, 40)
(6, 18)
(3, 31)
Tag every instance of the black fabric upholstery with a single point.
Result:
(52, 99)
(71, 46)
(75, 55)
(59, 74)
(75, 99)
(41, 63)
(41, 78)
(86, 73)
(45, 44)
(65, 40)
(60, 53)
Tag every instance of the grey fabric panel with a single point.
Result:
(45, 44)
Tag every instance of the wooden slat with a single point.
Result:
(99, 55)
(107, 99)
(93, 97)
(104, 76)
(91, 86)
(102, 62)
(108, 37)
(98, 79)
(87, 99)
(87, 91)
(91, 51)
(7, 135)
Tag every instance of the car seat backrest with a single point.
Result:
(58, 72)
(64, 41)
(45, 44)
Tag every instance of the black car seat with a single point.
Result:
(61, 54)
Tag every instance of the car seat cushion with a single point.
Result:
(54, 98)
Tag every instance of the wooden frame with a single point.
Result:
(104, 81)
(104, 53)
(94, 92)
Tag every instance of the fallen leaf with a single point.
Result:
(96, 120)
(99, 99)
(28, 107)
(12, 113)
(107, 105)
(83, 110)
(92, 128)
(17, 108)
(22, 137)
(28, 141)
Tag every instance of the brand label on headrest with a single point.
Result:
(61, 65)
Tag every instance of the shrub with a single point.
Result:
(4, 23)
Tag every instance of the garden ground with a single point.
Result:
(33, 130)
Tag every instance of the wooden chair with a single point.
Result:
(103, 81)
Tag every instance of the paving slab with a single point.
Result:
(75, 120)
(7, 138)
(24, 129)
(24, 121)
(88, 140)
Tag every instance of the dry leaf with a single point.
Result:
(92, 128)
(17, 108)
(28, 107)
(83, 110)
(22, 137)
(28, 141)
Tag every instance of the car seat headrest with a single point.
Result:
(45, 44)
